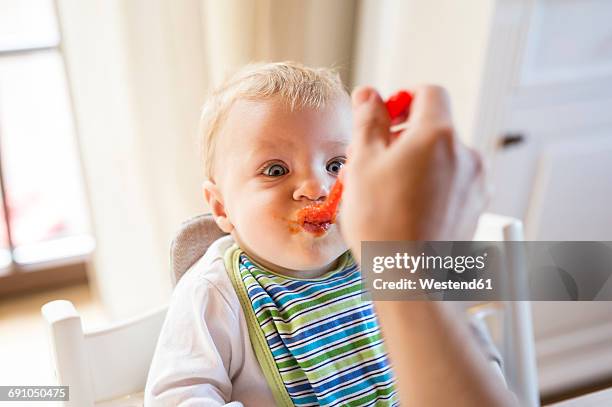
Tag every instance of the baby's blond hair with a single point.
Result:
(297, 85)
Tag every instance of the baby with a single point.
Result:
(272, 314)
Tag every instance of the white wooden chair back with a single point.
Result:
(105, 364)
(510, 321)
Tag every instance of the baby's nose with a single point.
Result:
(311, 189)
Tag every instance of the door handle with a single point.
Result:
(510, 139)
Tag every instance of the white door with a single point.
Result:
(559, 176)
(551, 68)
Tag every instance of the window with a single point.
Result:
(43, 222)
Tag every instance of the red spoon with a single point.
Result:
(317, 218)
(398, 104)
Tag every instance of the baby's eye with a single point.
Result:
(335, 165)
(275, 170)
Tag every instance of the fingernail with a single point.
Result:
(361, 95)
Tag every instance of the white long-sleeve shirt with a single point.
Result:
(204, 355)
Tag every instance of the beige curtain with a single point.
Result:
(139, 71)
(315, 32)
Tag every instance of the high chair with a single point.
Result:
(510, 321)
(108, 367)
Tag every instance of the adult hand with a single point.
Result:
(422, 184)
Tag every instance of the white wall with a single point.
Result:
(402, 43)
(314, 32)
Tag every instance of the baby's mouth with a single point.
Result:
(317, 218)
(316, 228)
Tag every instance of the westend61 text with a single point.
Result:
(431, 284)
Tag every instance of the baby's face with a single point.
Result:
(270, 163)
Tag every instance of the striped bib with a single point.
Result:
(317, 341)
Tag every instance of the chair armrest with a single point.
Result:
(68, 351)
(57, 311)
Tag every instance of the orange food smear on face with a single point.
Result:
(325, 212)
(322, 213)
(294, 227)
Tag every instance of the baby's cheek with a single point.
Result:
(271, 233)
(271, 213)
(264, 219)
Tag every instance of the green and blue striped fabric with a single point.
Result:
(322, 336)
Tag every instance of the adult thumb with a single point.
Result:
(371, 121)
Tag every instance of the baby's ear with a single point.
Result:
(214, 199)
